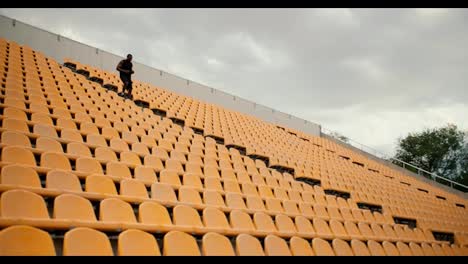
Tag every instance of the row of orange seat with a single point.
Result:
(25, 240)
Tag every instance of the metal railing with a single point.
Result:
(403, 164)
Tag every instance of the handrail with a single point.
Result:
(393, 160)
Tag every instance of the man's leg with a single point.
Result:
(129, 89)
(124, 87)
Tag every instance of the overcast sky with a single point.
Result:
(373, 75)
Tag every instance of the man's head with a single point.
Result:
(129, 57)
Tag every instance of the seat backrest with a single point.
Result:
(133, 242)
(322, 247)
(321, 227)
(457, 250)
(378, 230)
(174, 165)
(100, 184)
(131, 158)
(13, 138)
(247, 245)
(193, 168)
(145, 173)
(416, 250)
(140, 148)
(365, 230)
(427, 249)
(213, 198)
(375, 248)
(110, 132)
(249, 189)
(389, 231)
(321, 210)
(73, 207)
(276, 246)
(213, 184)
(263, 222)
(211, 172)
(341, 248)
(105, 153)
(306, 209)
(116, 210)
(84, 241)
(153, 162)
(186, 216)
(20, 175)
(45, 130)
(240, 220)
(169, 177)
(359, 248)
(15, 154)
(71, 135)
(118, 144)
(11, 124)
(255, 203)
(153, 213)
(235, 201)
(55, 161)
(214, 244)
(337, 228)
(192, 180)
(63, 180)
(22, 240)
(176, 243)
(438, 250)
(66, 122)
(89, 166)
(357, 214)
(290, 207)
(189, 195)
(274, 205)
(231, 186)
(214, 218)
(163, 192)
(228, 174)
(134, 188)
(285, 224)
(304, 225)
(390, 249)
(117, 169)
(49, 144)
(265, 192)
(15, 113)
(79, 149)
(96, 139)
(403, 249)
(448, 250)
(23, 204)
(300, 247)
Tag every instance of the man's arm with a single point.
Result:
(119, 68)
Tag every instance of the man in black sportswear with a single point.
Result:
(125, 68)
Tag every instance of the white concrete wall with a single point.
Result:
(59, 47)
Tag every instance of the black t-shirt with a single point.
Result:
(126, 65)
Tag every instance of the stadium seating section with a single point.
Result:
(87, 172)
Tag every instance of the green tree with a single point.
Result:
(443, 151)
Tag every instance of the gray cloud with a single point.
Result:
(373, 75)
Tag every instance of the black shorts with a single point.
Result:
(125, 78)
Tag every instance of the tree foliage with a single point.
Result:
(443, 151)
